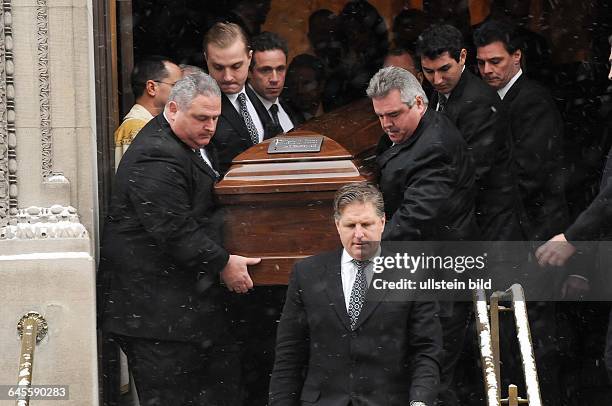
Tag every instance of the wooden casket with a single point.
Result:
(278, 206)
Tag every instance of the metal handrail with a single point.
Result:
(488, 334)
(32, 328)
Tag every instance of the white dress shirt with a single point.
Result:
(502, 92)
(283, 117)
(348, 271)
(251, 109)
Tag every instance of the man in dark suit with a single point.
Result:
(426, 176)
(241, 124)
(475, 109)
(427, 180)
(336, 346)
(536, 127)
(267, 80)
(161, 258)
(593, 224)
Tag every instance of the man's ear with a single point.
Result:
(419, 103)
(151, 88)
(172, 109)
(462, 56)
(516, 57)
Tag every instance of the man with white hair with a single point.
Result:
(161, 258)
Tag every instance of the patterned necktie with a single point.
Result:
(277, 128)
(442, 100)
(247, 119)
(358, 293)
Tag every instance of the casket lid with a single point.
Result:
(257, 171)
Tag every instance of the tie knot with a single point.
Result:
(274, 108)
(361, 265)
(442, 100)
(242, 99)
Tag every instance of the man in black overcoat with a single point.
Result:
(161, 258)
(536, 127)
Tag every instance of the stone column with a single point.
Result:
(48, 190)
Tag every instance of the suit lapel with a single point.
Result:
(228, 111)
(262, 112)
(292, 115)
(199, 161)
(514, 90)
(334, 290)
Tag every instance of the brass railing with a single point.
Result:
(488, 335)
(31, 328)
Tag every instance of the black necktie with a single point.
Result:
(276, 128)
(274, 113)
(358, 293)
(442, 100)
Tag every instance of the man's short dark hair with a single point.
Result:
(308, 61)
(268, 41)
(149, 68)
(493, 31)
(399, 51)
(438, 39)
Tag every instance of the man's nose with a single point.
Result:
(274, 76)
(209, 125)
(437, 78)
(359, 232)
(227, 75)
(386, 122)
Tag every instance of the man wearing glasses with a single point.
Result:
(152, 80)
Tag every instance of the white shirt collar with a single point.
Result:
(502, 92)
(234, 97)
(346, 257)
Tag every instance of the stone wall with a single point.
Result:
(48, 215)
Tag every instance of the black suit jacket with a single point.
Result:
(231, 136)
(391, 358)
(427, 184)
(161, 254)
(474, 108)
(595, 223)
(537, 134)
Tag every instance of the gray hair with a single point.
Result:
(392, 77)
(190, 69)
(192, 86)
(361, 192)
